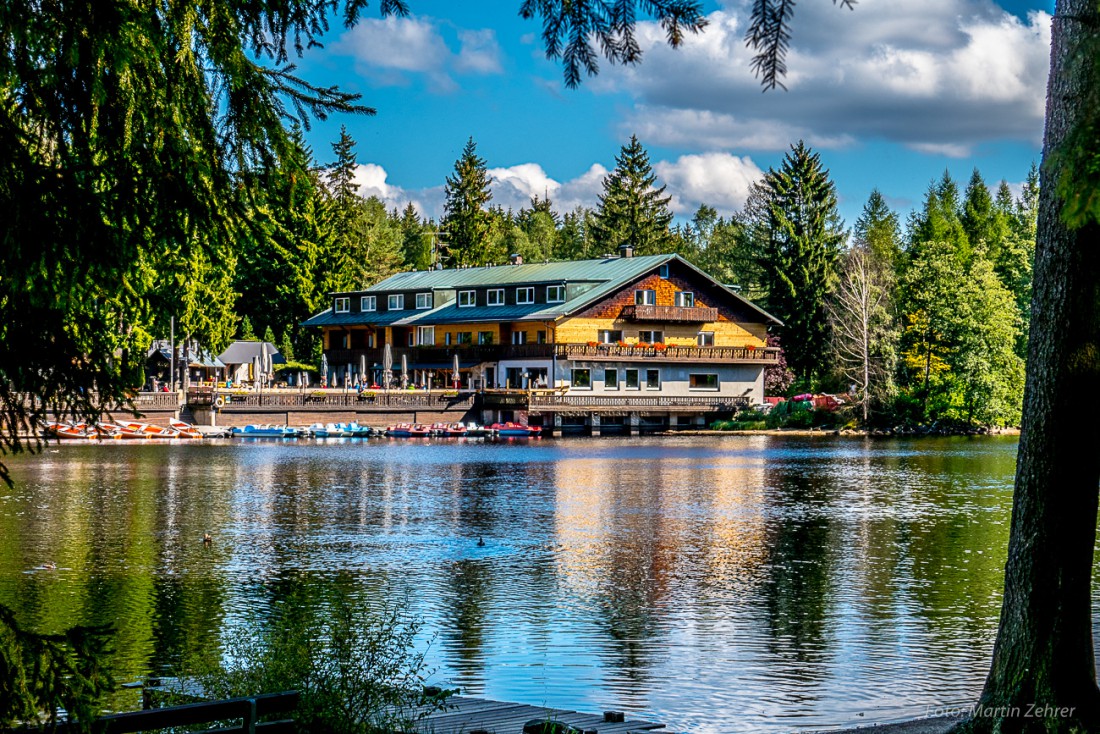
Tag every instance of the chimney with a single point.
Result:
(515, 258)
(626, 250)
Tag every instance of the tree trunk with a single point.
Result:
(1043, 676)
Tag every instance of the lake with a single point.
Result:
(733, 583)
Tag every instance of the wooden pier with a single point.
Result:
(467, 715)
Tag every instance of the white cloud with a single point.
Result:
(939, 76)
(718, 179)
(389, 50)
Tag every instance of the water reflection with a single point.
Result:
(729, 584)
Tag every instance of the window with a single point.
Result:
(423, 300)
(494, 297)
(396, 302)
(525, 295)
(631, 379)
(519, 337)
(467, 299)
(652, 379)
(663, 272)
(703, 381)
(412, 339)
(645, 298)
(582, 379)
(425, 335)
(611, 379)
(555, 293)
(685, 299)
(370, 341)
(343, 305)
(651, 337)
(368, 303)
(608, 336)
(447, 339)
(465, 337)
(485, 337)
(540, 336)
(705, 339)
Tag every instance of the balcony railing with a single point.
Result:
(708, 402)
(347, 399)
(442, 356)
(668, 352)
(682, 314)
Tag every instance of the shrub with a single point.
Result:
(358, 670)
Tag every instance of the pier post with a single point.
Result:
(594, 424)
(633, 424)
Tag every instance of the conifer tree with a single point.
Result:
(633, 210)
(984, 223)
(877, 229)
(416, 243)
(466, 223)
(938, 220)
(802, 235)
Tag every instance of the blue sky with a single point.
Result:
(889, 94)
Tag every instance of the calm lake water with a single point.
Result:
(715, 584)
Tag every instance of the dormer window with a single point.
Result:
(396, 302)
(555, 293)
(423, 300)
(525, 295)
(342, 305)
(467, 299)
(494, 297)
(663, 271)
(368, 303)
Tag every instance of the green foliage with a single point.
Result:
(416, 240)
(40, 674)
(798, 235)
(633, 209)
(357, 667)
(466, 223)
(877, 229)
(245, 331)
(739, 425)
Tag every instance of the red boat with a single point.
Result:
(454, 430)
(516, 430)
(408, 430)
(185, 430)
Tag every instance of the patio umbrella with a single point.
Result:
(387, 366)
(324, 367)
(363, 367)
(404, 371)
(455, 376)
(255, 370)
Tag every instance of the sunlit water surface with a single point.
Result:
(714, 584)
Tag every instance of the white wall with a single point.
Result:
(733, 380)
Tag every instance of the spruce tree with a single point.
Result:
(633, 210)
(938, 220)
(466, 223)
(802, 237)
(416, 243)
(985, 225)
(877, 228)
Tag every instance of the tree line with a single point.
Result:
(918, 322)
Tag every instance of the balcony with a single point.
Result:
(440, 357)
(668, 353)
(678, 314)
(553, 401)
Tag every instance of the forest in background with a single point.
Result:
(919, 321)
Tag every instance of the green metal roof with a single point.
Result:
(608, 275)
(606, 269)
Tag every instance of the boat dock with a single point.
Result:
(468, 715)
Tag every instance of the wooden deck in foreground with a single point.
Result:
(466, 715)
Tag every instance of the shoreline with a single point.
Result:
(850, 432)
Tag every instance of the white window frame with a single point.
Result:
(467, 299)
(528, 296)
(447, 339)
(717, 382)
(645, 297)
(605, 336)
(485, 337)
(421, 332)
(494, 297)
(558, 291)
(395, 298)
(424, 300)
(368, 303)
(573, 378)
(648, 372)
(611, 371)
(685, 299)
(519, 337)
(703, 337)
(341, 304)
(654, 336)
(626, 379)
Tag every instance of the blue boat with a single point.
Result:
(265, 431)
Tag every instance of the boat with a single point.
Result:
(473, 430)
(454, 430)
(358, 431)
(409, 430)
(337, 430)
(69, 431)
(185, 430)
(516, 430)
(255, 430)
(317, 430)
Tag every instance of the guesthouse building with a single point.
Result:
(619, 338)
